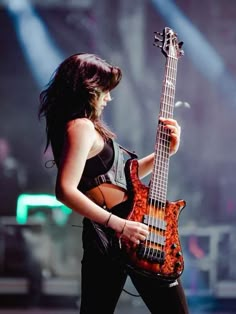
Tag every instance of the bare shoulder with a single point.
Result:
(81, 123)
(81, 126)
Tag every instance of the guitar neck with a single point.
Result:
(168, 88)
(159, 179)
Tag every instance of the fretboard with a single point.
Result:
(159, 178)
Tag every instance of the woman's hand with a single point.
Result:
(175, 132)
(131, 230)
(134, 231)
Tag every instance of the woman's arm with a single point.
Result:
(145, 165)
(80, 140)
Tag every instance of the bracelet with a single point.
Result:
(122, 231)
(108, 219)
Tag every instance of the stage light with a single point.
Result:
(39, 49)
(26, 202)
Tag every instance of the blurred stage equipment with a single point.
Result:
(40, 203)
(209, 270)
(20, 271)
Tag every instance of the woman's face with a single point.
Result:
(102, 101)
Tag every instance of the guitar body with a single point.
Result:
(160, 254)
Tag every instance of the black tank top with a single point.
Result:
(106, 167)
(100, 163)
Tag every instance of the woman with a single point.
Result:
(91, 181)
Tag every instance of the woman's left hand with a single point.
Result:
(175, 132)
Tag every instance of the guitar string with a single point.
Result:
(161, 162)
(162, 143)
(169, 106)
(156, 219)
(153, 206)
(162, 139)
(167, 97)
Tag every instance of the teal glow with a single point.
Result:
(26, 201)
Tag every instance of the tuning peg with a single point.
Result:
(156, 38)
(181, 44)
(159, 46)
(158, 33)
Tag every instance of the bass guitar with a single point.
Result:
(160, 255)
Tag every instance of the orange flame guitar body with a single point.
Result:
(170, 263)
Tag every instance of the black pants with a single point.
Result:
(104, 276)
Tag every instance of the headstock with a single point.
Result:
(168, 42)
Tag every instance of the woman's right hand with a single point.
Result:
(132, 230)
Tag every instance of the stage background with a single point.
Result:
(40, 248)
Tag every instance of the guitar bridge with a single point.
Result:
(150, 254)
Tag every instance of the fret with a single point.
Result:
(162, 181)
(167, 99)
(162, 165)
(162, 168)
(158, 197)
(164, 138)
(169, 83)
(168, 106)
(159, 191)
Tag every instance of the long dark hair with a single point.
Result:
(72, 91)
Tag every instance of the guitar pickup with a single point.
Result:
(154, 222)
(156, 238)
